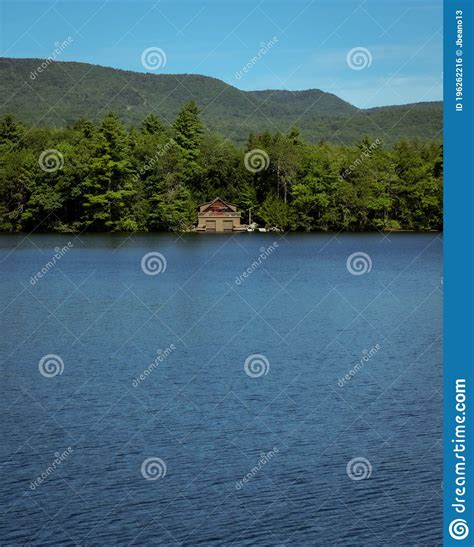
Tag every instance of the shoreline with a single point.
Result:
(212, 234)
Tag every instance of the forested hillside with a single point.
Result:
(67, 91)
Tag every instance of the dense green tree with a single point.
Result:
(188, 129)
(153, 125)
(108, 186)
(108, 178)
(276, 213)
(11, 130)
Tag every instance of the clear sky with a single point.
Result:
(219, 37)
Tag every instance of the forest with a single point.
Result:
(105, 176)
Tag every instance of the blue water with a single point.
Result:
(198, 410)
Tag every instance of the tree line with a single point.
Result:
(107, 177)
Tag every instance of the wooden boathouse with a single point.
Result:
(219, 216)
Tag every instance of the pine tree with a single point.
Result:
(11, 130)
(152, 125)
(109, 187)
(188, 129)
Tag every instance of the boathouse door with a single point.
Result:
(210, 225)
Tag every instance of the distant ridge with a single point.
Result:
(67, 91)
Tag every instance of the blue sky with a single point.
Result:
(219, 37)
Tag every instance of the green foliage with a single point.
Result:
(11, 130)
(117, 179)
(187, 130)
(108, 188)
(226, 110)
(276, 213)
(152, 125)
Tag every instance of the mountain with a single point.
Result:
(66, 91)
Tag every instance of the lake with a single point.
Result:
(246, 389)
